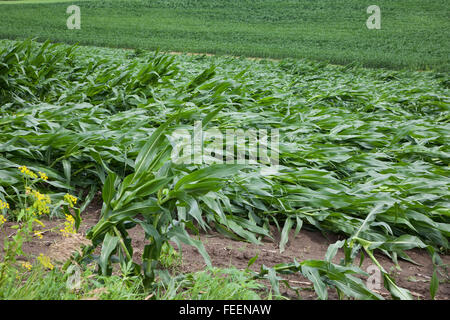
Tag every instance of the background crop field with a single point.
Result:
(414, 34)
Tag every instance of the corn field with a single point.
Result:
(362, 153)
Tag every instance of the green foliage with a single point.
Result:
(27, 216)
(12, 248)
(170, 258)
(323, 275)
(41, 284)
(213, 284)
(363, 153)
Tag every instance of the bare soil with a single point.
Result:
(226, 252)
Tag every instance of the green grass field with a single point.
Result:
(414, 34)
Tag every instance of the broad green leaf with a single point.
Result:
(319, 286)
(285, 233)
(434, 285)
(109, 245)
(252, 261)
(179, 233)
(109, 188)
(333, 249)
(67, 170)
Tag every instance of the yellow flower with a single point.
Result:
(27, 265)
(38, 234)
(39, 222)
(2, 219)
(71, 200)
(28, 172)
(41, 202)
(69, 226)
(43, 176)
(4, 205)
(45, 261)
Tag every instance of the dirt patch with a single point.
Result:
(225, 252)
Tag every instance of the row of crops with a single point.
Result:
(363, 153)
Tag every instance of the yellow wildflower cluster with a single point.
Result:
(2, 219)
(27, 265)
(69, 226)
(41, 201)
(28, 172)
(71, 200)
(45, 261)
(33, 175)
(4, 205)
(43, 176)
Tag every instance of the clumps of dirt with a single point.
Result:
(34, 245)
(225, 252)
(63, 249)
